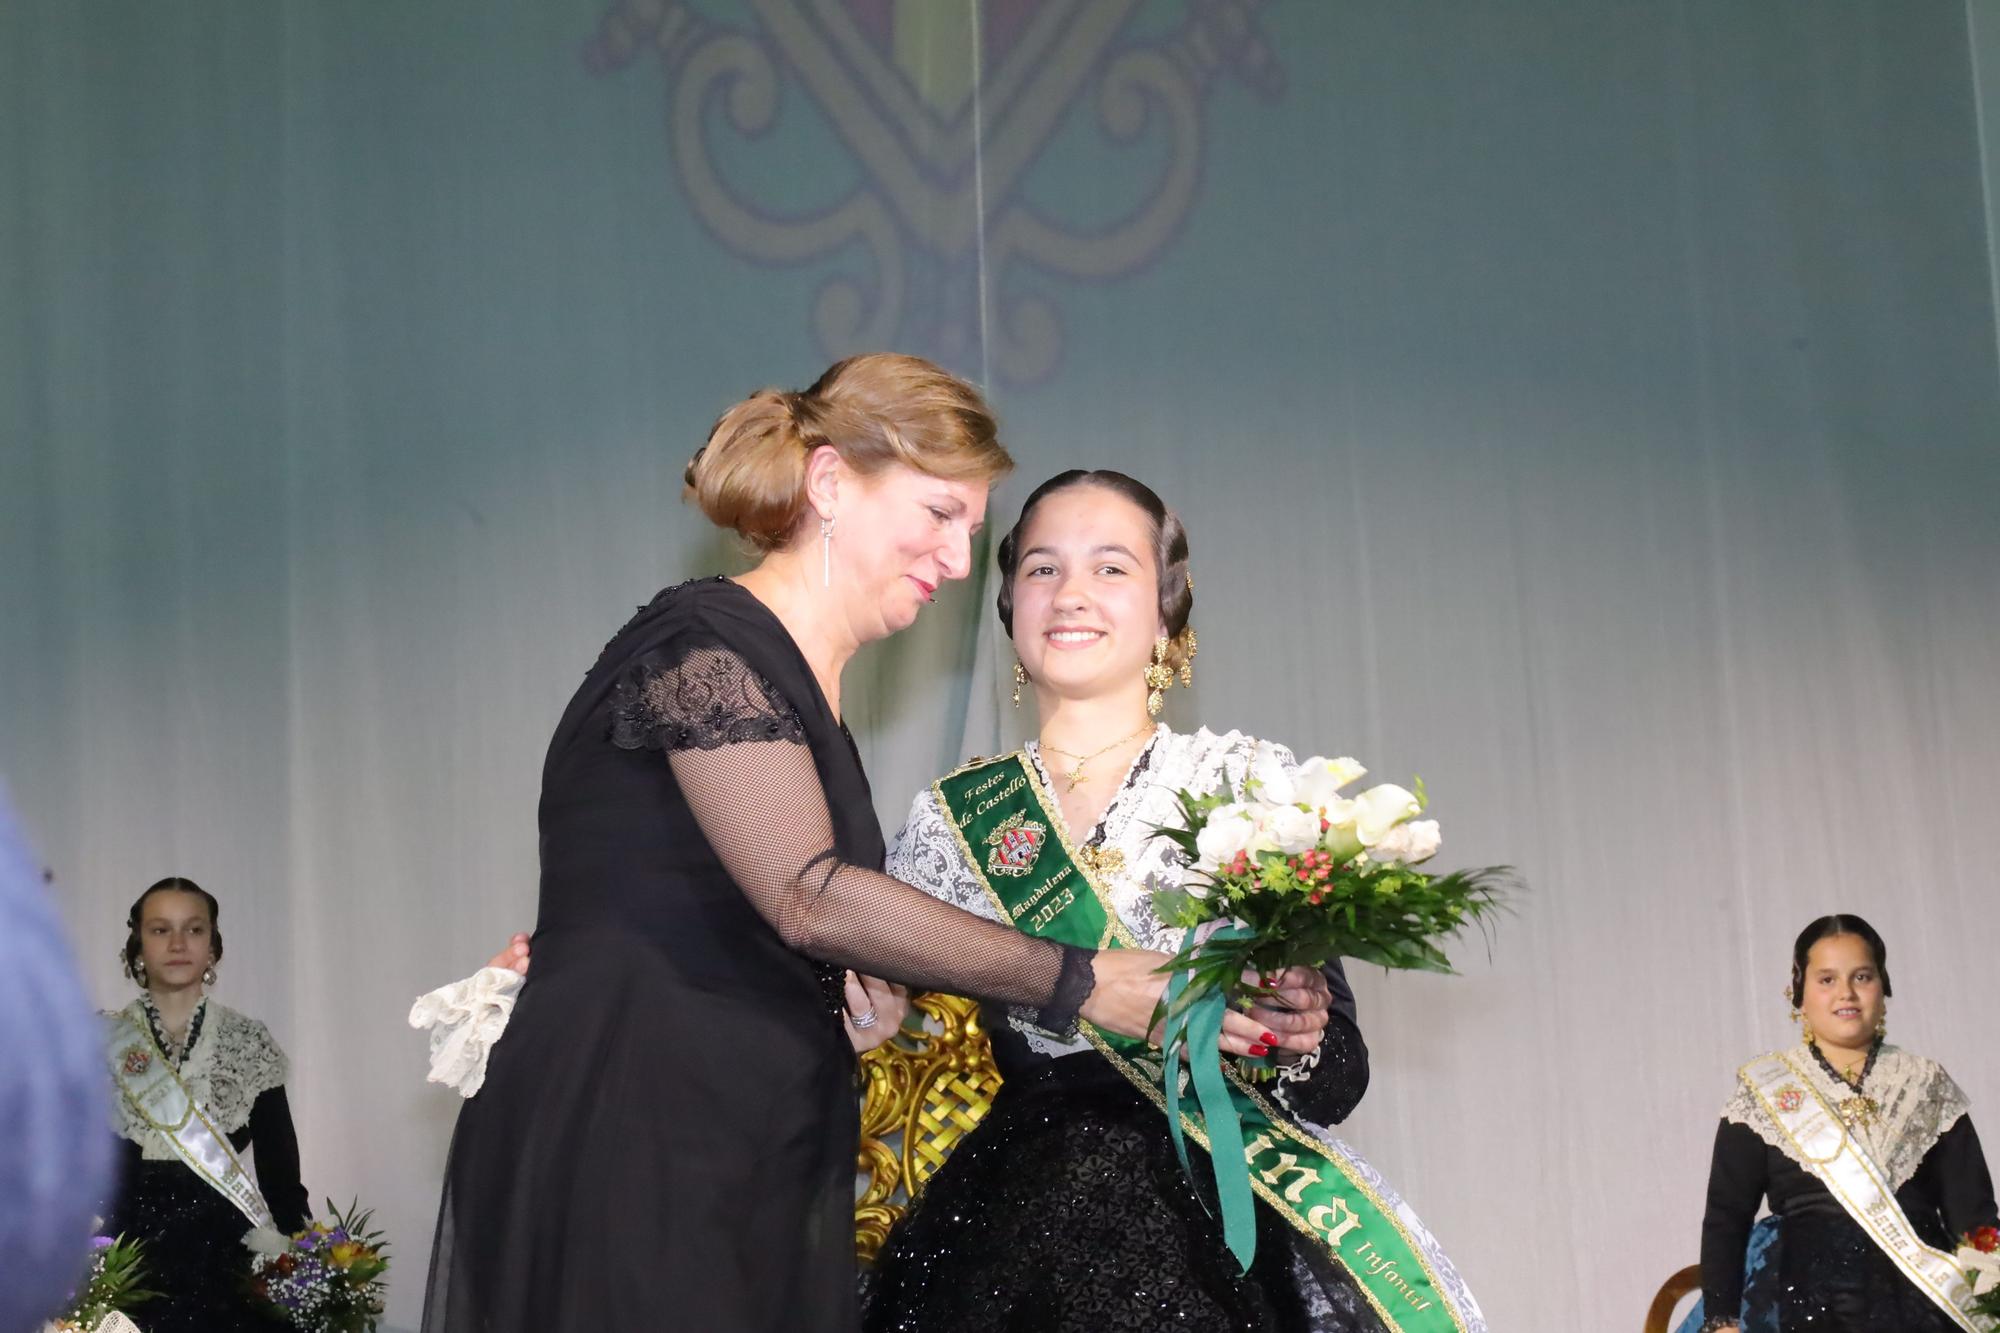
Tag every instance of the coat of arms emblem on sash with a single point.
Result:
(1015, 845)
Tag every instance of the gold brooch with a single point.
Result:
(1858, 1112)
(1101, 861)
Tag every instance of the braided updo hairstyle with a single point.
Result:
(1170, 553)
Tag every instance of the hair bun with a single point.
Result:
(876, 411)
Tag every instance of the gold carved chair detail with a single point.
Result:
(920, 1093)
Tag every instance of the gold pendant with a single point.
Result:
(1858, 1112)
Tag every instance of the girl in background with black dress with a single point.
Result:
(1901, 1110)
(666, 1138)
(235, 1075)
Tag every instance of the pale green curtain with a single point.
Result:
(1591, 408)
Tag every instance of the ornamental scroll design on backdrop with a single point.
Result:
(933, 155)
(921, 1092)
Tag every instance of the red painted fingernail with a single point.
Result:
(1269, 1039)
(1268, 982)
(1260, 1050)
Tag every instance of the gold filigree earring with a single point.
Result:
(1882, 1023)
(1158, 676)
(1020, 679)
(1187, 665)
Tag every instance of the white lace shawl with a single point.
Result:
(233, 1061)
(926, 852)
(1917, 1101)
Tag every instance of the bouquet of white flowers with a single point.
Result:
(1289, 872)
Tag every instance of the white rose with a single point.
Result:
(1380, 809)
(1407, 844)
(1317, 781)
(1230, 829)
(1269, 780)
(1292, 829)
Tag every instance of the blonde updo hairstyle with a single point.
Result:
(875, 411)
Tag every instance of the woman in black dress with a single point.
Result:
(234, 1072)
(1902, 1110)
(666, 1138)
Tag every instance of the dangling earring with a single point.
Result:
(139, 972)
(1020, 679)
(1187, 666)
(1882, 1023)
(1157, 678)
(208, 975)
(1806, 1034)
(826, 552)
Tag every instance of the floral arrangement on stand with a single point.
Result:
(328, 1278)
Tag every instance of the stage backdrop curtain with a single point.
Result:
(1590, 408)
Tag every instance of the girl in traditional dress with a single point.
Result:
(199, 1086)
(1066, 1208)
(1866, 1152)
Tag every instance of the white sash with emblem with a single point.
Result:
(154, 1090)
(1841, 1162)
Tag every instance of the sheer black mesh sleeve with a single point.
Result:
(739, 755)
(1328, 1084)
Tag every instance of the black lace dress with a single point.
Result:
(666, 1138)
(1066, 1210)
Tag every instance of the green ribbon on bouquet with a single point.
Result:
(1194, 1029)
(1010, 833)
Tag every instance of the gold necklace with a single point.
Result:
(1074, 777)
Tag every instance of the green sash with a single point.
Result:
(1015, 846)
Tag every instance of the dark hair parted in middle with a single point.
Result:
(1825, 928)
(171, 884)
(1170, 552)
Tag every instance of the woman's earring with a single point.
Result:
(1805, 1031)
(826, 552)
(208, 975)
(139, 972)
(1187, 666)
(1882, 1023)
(1020, 679)
(1157, 676)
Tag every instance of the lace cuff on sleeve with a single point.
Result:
(465, 1019)
(697, 697)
